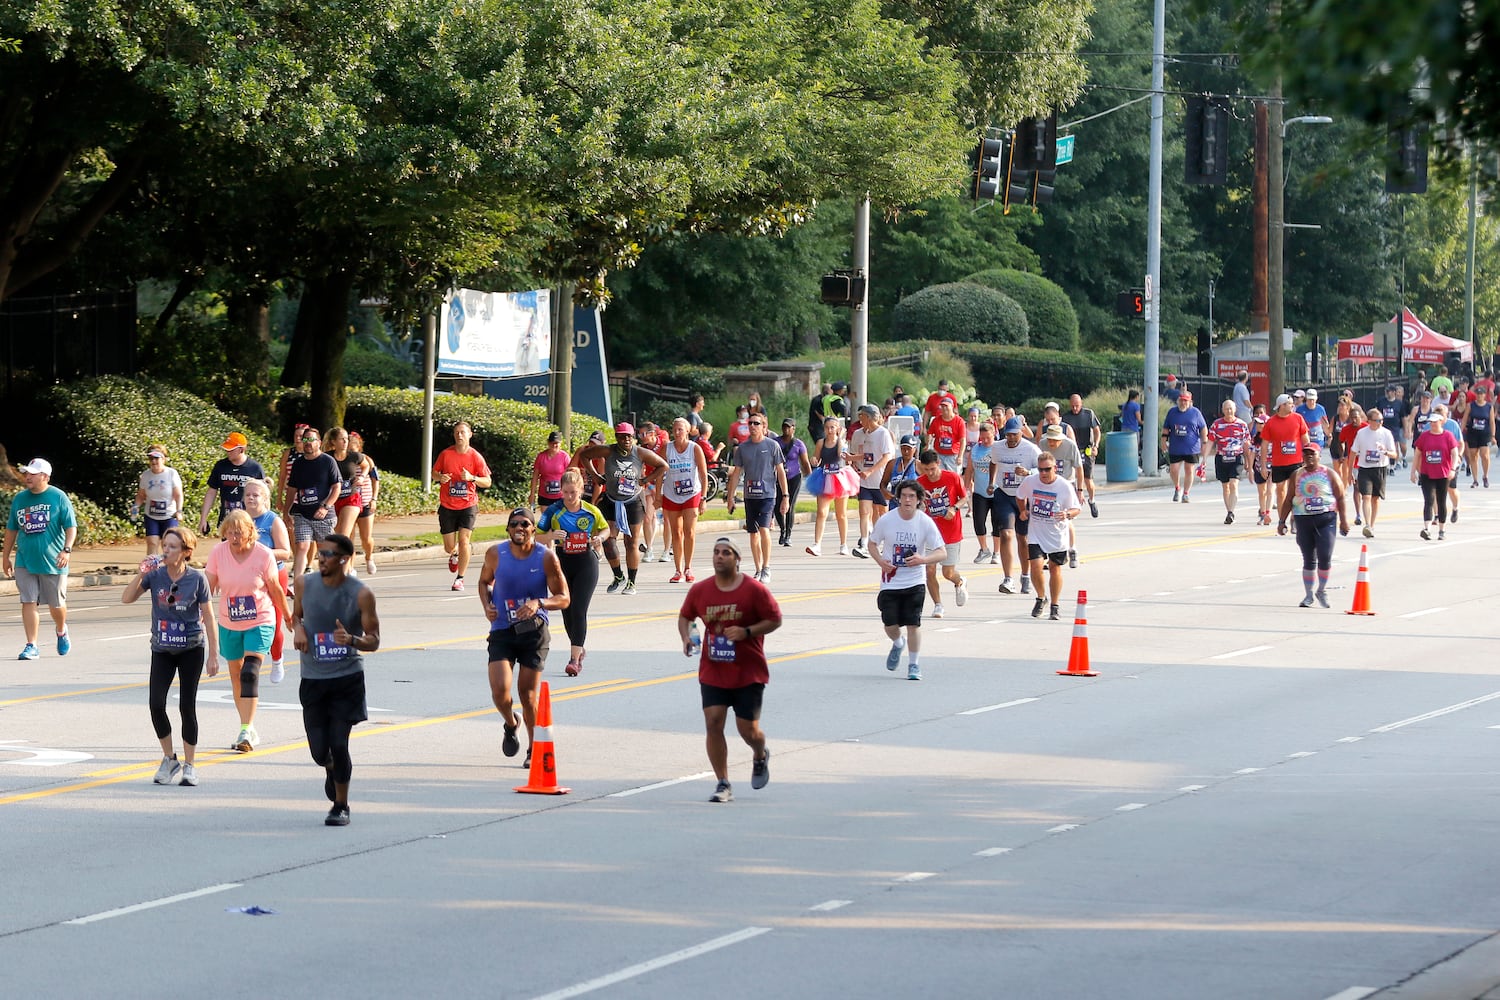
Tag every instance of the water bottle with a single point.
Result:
(695, 640)
(135, 512)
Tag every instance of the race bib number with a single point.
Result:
(172, 634)
(626, 486)
(685, 489)
(1044, 507)
(575, 542)
(1374, 455)
(937, 507)
(1434, 457)
(552, 487)
(158, 508)
(457, 489)
(868, 458)
(511, 607)
(325, 650)
(1179, 430)
(945, 444)
(902, 552)
(36, 520)
(755, 488)
(720, 649)
(1479, 424)
(243, 609)
(1289, 447)
(1009, 478)
(308, 496)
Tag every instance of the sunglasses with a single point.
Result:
(517, 524)
(1046, 468)
(329, 553)
(757, 423)
(309, 437)
(172, 595)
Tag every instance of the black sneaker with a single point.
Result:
(1054, 616)
(1036, 609)
(510, 745)
(337, 816)
(1093, 509)
(527, 764)
(614, 588)
(723, 793)
(1072, 559)
(760, 771)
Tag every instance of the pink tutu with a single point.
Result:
(840, 484)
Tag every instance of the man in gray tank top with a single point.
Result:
(335, 621)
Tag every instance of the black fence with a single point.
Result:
(63, 337)
(636, 394)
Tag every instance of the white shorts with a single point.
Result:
(953, 552)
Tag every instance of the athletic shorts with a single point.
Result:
(745, 701)
(352, 500)
(50, 589)
(451, 520)
(635, 509)
(1453, 480)
(1227, 470)
(693, 502)
(310, 529)
(950, 462)
(873, 495)
(902, 607)
(251, 642)
(528, 650)
(341, 698)
(1370, 482)
(1281, 473)
(156, 528)
(1007, 514)
(1189, 459)
(1034, 551)
(1256, 475)
(368, 510)
(982, 507)
(952, 551)
(1088, 467)
(1476, 439)
(758, 511)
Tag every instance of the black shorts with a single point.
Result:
(1476, 439)
(1056, 558)
(1281, 473)
(635, 510)
(758, 511)
(745, 700)
(1189, 459)
(368, 510)
(450, 520)
(1371, 482)
(872, 495)
(341, 698)
(1227, 470)
(1006, 514)
(902, 607)
(1257, 475)
(1088, 466)
(527, 649)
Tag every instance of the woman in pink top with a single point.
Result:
(1437, 453)
(547, 471)
(243, 573)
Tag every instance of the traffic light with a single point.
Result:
(1019, 188)
(1036, 143)
(1131, 303)
(843, 288)
(1206, 157)
(988, 161)
(1406, 160)
(1041, 193)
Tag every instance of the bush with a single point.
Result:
(694, 378)
(1007, 374)
(1049, 314)
(95, 526)
(960, 311)
(378, 368)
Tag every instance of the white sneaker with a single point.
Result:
(937, 611)
(370, 566)
(994, 559)
(843, 550)
(650, 554)
(814, 550)
(666, 556)
(982, 557)
(961, 593)
(278, 671)
(1007, 586)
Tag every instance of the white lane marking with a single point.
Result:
(1240, 652)
(1063, 828)
(1429, 546)
(1348, 739)
(1192, 788)
(1203, 586)
(149, 904)
(1003, 704)
(1419, 614)
(1355, 993)
(41, 756)
(991, 852)
(660, 784)
(915, 876)
(461, 597)
(995, 621)
(652, 965)
(1130, 807)
(831, 904)
(954, 628)
(1126, 600)
(1437, 712)
(1234, 581)
(393, 576)
(1162, 593)
(227, 698)
(1247, 770)
(1267, 576)
(1300, 753)
(117, 638)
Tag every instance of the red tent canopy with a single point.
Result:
(1420, 344)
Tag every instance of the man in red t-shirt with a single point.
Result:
(947, 434)
(1281, 440)
(737, 613)
(935, 400)
(461, 473)
(945, 489)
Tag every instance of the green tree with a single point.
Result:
(960, 311)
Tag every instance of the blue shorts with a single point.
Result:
(155, 528)
(758, 512)
(872, 495)
(253, 641)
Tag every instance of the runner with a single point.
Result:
(159, 497)
(1183, 433)
(1048, 504)
(335, 621)
(903, 466)
(1282, 437)
(271, 532)
(831, 483)
(353, 473)
(576, 528)
(593, 471)
(902, 544)
(547, 472)
(1260, 472)
(649, 439)
(797, 466)
(1227, 439)
(870, 448)
(737, 614)
(1014, 459)
(461, 472)
(932, 406)
(1479, 434)
(1052, 417)
(946, 434)
(519, 583)
(1452, 427)
(1374, 450)
(979, 483)
(39, 538)
(243, 574)
(226, 478)
(627, 469)
(1436, 452)
(763, 466)
(1350, 418)
(971, 429)
(1316, 497)
(1314, 415)
(182, 635)
(313, 485)
(682, 496)
(1069, 461)
(1084, 424)
(369, 493)
(943, 492)
(1393, 410)
(1244, 409)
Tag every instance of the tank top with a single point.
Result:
(1479, 417)
(831, 459)
(682, 473)
(1314, 493)
(349, 467)
(263, 533)
(623, 474)
(516, 582)
(323, 606)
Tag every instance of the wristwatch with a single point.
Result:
(67, 548)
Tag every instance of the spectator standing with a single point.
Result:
(39, 538)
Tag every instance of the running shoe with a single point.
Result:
(337, 816)
(814, 550)
(643, 548)
(1053, 614)
(1093, 509)
(666, 556)
(510, 744)
(1454, 519)
(29, 652)
(1176, 496)
(1307, 602)
(913, 672)
(629, 589)
(676, 577)
(1369, 532)
(458, 585)
(1229, 518)
(650, 554)
(982, 557)
(860, 552)
(1486, 482)
(1358, 520)
(571, 669)
(893, 658)
(242, 742)
(1440, 534)
(1036, 609)
(961, 592)
(278, 671)
(1025, 584)
(843, 550)
(1184, 497)
(937, 611)
(1322, 599)
(723, 793)
(614, 587)
(527, 762)
(1072, 559)
(687, 576)
(1007, 586)
(64, 643)
(168, 770)
(370, 566)
(765, 575)
(189, 776)
(760, 771)
(994, 558)
(1426, 535)
(453, 562)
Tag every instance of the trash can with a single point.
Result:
(1121, 453)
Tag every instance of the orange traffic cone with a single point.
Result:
(1362, 585)
(543, 779)
(1078, 656)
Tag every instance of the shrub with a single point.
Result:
(363, 367)
(95, 525)
(1049, 314)
(960, 311)
(1007, 374)
(694, 378)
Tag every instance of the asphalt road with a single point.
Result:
(1251, 800)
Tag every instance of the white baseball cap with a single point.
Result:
(38, 466)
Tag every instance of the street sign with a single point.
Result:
(1065, 149)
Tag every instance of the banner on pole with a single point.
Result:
(495, 334)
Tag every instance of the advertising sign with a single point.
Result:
(495, 334)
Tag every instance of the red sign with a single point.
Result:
(1260, 377)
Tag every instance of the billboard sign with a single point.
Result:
(495, 334)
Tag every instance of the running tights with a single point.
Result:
(328, 742)
(793, 489)
(1434, 495)
(581, 570)
(1315, 534)
(187, 666)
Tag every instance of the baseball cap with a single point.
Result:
(942, 383)
(521, 512)
(1053, 406)
(1436, 418)
(869, 408)
(789, 422)
(596, 438)
(1298, 392)
(1012, 426)
(1054, 432)
(1283, 398)
(730, 544)
(554, 436)
(840, 386)
(1312, 394)
(1186, 395)
(38, 466)
(624, 428)
(156, 453)
(238, 440)
(910, 441)
(1311, 448)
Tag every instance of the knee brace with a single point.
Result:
(250, 677)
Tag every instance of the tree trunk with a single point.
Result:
(247, 352)
(329, 338)
(298, 370)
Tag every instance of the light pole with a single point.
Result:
(1276, 194)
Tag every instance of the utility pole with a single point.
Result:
(1151, 419)
(560, 394)
(859, 313)
(429, 386)
(1275, 210)
(1260, 316)
(1469, 333)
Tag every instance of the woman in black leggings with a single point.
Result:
(182, 633)
(577, 528)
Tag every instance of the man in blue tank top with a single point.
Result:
(521, 581)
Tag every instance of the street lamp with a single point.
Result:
(1276, 179)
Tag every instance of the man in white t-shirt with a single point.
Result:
(1048, 503)
(1014, 457)
(1374, 450)
(870, 448)
(902, 544)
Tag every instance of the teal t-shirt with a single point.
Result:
(40, 521)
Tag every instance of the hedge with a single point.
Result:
(362, 367)
(962, 312)
(1007, 374)
(694, 378)
(1049, 313)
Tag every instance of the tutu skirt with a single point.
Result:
(840, 484)
(814, 482)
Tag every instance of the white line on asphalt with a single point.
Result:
(1003, 704)
(1192, 788)
(953, 628)
(133, 635)
(1202, 586)
(461, 597)
(1419, 614)
(1348, 739)
(1354, 993)
(1437, 712)
(831, 904)
(1231, 582)
(1240, 652)
(991, 852)
(1267, 576)
(1130, 807)
(656, 963)
(1126, 600)
(1063, 828)
(995, 621)
(1162, 593)
(149, 904)
(660, 784)
(915, 876)
(1300, 753)
(1247, 770)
